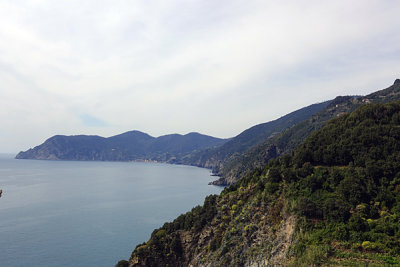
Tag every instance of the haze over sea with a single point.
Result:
(70, 213)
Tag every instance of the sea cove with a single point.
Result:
(70, 213)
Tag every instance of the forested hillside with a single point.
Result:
(334, 200)
(288, 140)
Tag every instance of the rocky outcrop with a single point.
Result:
(241, 232)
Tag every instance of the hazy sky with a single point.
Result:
(215, 67)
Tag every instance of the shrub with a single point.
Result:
(122, 263)
(369, 246)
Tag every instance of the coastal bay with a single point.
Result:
(70, 213)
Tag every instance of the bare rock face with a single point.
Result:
(397, 81)
(284, 238)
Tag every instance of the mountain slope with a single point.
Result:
(335, 201)
(288, 140)
(215, 158)
(128, 146)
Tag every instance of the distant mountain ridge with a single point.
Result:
(228, 158)
(190, 149)
(129, 146)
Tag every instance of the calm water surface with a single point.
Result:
(67, 213)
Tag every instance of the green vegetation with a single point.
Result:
(334, 200)
(288, 140)
(348, 190)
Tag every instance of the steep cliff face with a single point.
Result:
(334, 201)
(234, 229)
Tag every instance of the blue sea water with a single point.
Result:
(71, 213)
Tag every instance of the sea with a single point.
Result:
(79, 213)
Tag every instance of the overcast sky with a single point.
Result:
(214, 67)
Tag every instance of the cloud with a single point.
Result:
(92, 121)
(216, 67)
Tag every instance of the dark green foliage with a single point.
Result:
(335, 209)
(368, 136)
(122, 263)
(274, 175)
(357, 224)
(308, 208)
(197, 218)
(176, 245)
